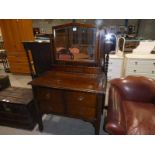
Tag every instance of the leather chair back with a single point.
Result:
(135, 89)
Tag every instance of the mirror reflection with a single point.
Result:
(75, 42)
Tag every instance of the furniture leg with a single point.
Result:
(99, 113)
(40, 125)
(39, 120)
(97, 127)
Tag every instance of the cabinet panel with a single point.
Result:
(140, 65)
(81, 99)
(137, 62)
(19, 68)
(14, 33)
(84, 112)
(8, 37)
(50, 100)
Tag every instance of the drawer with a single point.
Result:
(141, 70)
(115, 62)
(81, 112)
(47, 107)
(17, 53)
(140, 74)
(141, 63)
(16, 59)
(50, 100)
(115, 71)
(19, 68)
(81, 99)
(53, 96)
(114, 75)
(110, 77)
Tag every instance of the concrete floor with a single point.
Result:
(52, 124)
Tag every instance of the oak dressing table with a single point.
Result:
(72, 87)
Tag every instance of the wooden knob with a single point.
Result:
(47, 95)
(80, 98)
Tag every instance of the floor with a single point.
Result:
(53, 125)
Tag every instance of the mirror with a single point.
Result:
(74, 42)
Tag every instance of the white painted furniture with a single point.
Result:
(136, 64)
(145, 47)
(115, 66)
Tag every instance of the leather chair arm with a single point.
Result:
(115, 116)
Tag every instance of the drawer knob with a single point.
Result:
(80, 98)
(134, 70)
(154, 63)
(152, 72)
(136, 63)
(47, 95)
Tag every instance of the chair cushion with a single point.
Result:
(140, 118)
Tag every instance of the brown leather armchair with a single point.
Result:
(131, 106)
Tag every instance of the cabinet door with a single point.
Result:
(26, 31)
(8, 36)
(14, 33)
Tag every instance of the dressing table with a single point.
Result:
(75, 84)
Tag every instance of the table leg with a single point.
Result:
(40, 125)
(97, 127)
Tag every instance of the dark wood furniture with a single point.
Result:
(73, 87)
(4, 82)
(17, 108)
(39, 56)
(130, 45)
(70, 94)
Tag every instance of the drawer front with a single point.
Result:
(110, 76)
(81, 112)
(116, 62)
(141, 70)
(19, 68)
(81, 99)
(50, 100)
(141, 63)
(115, 71)
(81, 105)
(16, 59)
(142, 74)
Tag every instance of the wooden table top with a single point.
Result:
(94, 83)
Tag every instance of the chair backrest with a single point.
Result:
(135, 88)
(41, 57)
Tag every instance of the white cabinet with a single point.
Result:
(115, 66)
(140, 65)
